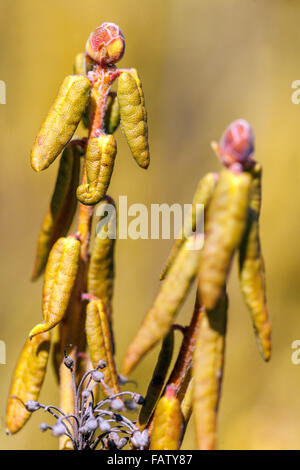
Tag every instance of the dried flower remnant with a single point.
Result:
(92, 425)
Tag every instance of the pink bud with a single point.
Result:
(106, 44)
(237, 145)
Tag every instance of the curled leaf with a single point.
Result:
(225, 226)
(100, 159)
(208, 362)
(171, 295)
(27, 380)
(60, 275)
(63, 204)
(134, 116)
(61, 121)
(252, 271)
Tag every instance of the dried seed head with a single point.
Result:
(113, 440)
(32, 405)
(130, 405)
(104, 426)
(106, 44)
(237, 145)
(122, 443)
(140, 439)
(92, 424)
(101, 365)
(68, 362)
(58, 429)
(44, 427)
(116, 404)
(97, 376)
(138, 398)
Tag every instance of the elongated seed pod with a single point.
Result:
(67, 399)
(225, 225)
(101, 267)
(172, 293)
(208, 362)
(202, 196)
(100, 344)
(252, 271)
(134, 116)
(27, 380)
(60, 275)
(100, 159)
(167, 423)
(61, 121)
(63, 204)
(158, 379)
(112, 114)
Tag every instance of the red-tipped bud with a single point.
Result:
(106, 44)
(237, 145)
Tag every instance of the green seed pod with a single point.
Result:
(202, 196)
(158, 379)
(62, 208)
(101, 266)
(100, 343)
(134, 116)
(172, 293)
(60, 275)
(208, 362)
(100, 159)
(252, 271)
(61, 121)
(112, 114)
(225, 225)
(167, 423)
(27, 380)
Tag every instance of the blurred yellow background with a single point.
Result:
(203, 63)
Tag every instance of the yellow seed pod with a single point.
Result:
(167, 423)
(101, 266)
(60, 275)
(187, 402)
(208, 361)
(134, 116)
(100, 159)
(202, 196)
(225, 225)
(27, 380)
(100, 343)
(252, 271)
(67, 400)
(61, 121)
(112, 114)
(172, 293)
(62, 208)
(158, 379)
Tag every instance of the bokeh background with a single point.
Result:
(203, 63)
